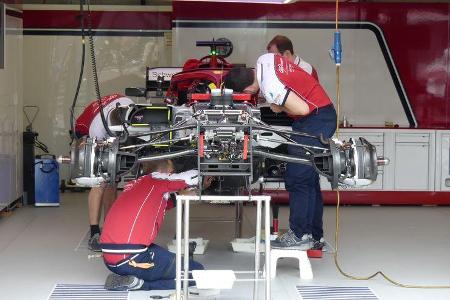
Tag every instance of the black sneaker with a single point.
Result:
(94, 244)
(115, 282)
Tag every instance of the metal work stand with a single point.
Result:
(185, 200)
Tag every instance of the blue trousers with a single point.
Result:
(302, 181)
(162, 275)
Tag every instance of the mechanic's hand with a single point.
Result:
(261, 99)
(276, 108)
(188, 192)
(207, 181)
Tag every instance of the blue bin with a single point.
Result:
(46, 172)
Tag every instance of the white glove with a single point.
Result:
(356, 182)
(89, 181)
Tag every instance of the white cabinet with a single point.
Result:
(414, 161)
(443, 160)
(411, 166)
(412, 158)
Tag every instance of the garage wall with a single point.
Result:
(416, 34)
(367, 85)
(126, 42)
(130, 38)
(11, 115)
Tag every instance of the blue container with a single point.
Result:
(46, 172)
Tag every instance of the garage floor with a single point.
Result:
(40, 247)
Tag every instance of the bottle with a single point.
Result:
(345, 122)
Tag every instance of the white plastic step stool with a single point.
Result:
(304, 264)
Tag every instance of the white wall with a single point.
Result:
(51, 70)
(11, 115)
(368, 94)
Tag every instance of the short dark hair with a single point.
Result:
(156, 165)
(239, 78)
(282, 43)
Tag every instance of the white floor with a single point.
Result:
(38, 248)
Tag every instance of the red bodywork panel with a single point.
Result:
(237, 98)
(185, 83)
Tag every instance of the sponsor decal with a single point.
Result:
(139, 117)
(166, 72)
(281, 68)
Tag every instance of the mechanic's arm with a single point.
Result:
(178, 181)
(279, 96)
(207, 180)
(293, 105)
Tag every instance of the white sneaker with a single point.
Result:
(290, 241)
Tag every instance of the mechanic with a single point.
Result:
(282, 45)
(132, 225)
(288, 88)
(90, 123)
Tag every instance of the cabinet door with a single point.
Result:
(411, 166)
(6, 182)
(443, 161)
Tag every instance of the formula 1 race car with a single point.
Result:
(224, 134)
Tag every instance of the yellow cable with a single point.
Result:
(336, 235)
(337, 15)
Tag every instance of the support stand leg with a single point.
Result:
(186, 251)
(257, 252)
(238, 219)
(275, 212)
(267, 244)
(178, 252)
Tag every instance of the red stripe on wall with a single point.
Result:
(372, 197)
(417, 34)
(186, 10)
(388, 198)
(69, 19)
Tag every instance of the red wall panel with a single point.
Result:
(69, 19)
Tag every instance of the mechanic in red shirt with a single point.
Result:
(90, 123)
(132, 225)
(290, 89)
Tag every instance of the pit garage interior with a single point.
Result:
(385, 175)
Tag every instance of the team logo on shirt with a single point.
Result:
(281, 67)
(290, 68)
(284, 66)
